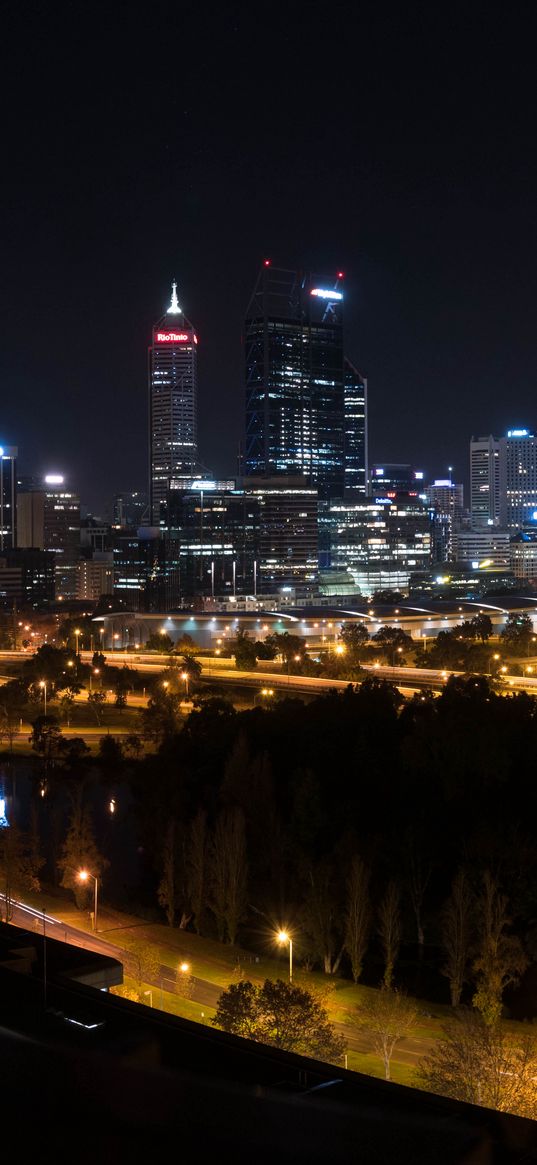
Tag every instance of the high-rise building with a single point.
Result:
(447, 499)
(172, 404)
(485, 481)
(355, 437)
(49, 519)
(377, 542)
(295, 381)
(8, 497)
(131, 508)
(395, 477)
(518, 478)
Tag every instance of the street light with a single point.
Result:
(283, 938)
(150, 993)
(43, 685)
(77, 640)
(184, 676)
(83, 876)
(184, 968)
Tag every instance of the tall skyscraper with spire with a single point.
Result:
(173, 384)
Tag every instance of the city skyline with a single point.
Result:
(112, 190)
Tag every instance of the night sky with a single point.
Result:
(397, 143)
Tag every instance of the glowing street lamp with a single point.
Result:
(283, 938)
(184, 676)
(43, 685)
(77, 640)
(83, 876)
(184, 968)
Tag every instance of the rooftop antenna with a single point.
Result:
(174, 309)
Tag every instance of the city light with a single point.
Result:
(326, 293)
(54, 479)
(173, 337)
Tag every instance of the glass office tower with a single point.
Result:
(295, 379)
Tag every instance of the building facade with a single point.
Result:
(8, 497)
(173, 386)
(355, 435)
(378, 542)
(295, 380)
(484, 481)
(518, 478)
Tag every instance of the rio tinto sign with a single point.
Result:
(173, 338)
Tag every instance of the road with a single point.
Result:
(409, 1051)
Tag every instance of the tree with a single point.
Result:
(279, 1014)
(517, 633)
(160, 641)
(357, 915)
(46, 738)
(228, 874)
(483, 1064)
(19, 866)
(500, 958)
(389, 929)
(97, 701)
(196, 867)
(354, 637)
(391, 639)
(286, 645)
(79, 852)
(388, 1016)
(13, 700)
(168, 885)
(456, 921)
(145, 960)
(482, 625)
(321, 917)
(67, 702)
(160, 720)
(244, 651)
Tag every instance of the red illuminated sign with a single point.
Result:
(173, 338)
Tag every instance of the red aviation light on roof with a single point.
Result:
(341, 274)
(266, 262)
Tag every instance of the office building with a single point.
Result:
(141, 572)
(95, 575)
(251, 538)
(483, 545)
(446, 498)
(518, 478)
(395, 477)
(26, 578)
(49, 519)
(131, 508)
(172, 404)
(295, 383)
(355, 436)
(211, 537)
(8, 497)
(378, 542)
(484, 481)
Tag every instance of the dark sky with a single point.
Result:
(142, 143)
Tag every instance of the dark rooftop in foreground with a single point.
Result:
(96, 1078)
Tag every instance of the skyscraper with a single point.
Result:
(355, 442)
(172, 403)
(8, 497)
(295, 380)
(518, 478)
(485, 481)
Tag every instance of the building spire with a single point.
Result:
(174, 308)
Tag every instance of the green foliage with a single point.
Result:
(80, 852)
(97, 701)
(478, 1063)
(161, 642)
(388, 1016)
(244, 650)
(20, 863)
(281, 1015)
(287, 646)
(517, 634)
(46, 738)
(160, 720)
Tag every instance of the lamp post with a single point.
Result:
(43, 685)
(496, 656)
(83, 876)
(184, 676)
(77, 641)
(150, 993)
(283, 938)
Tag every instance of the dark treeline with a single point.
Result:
(346, 819)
